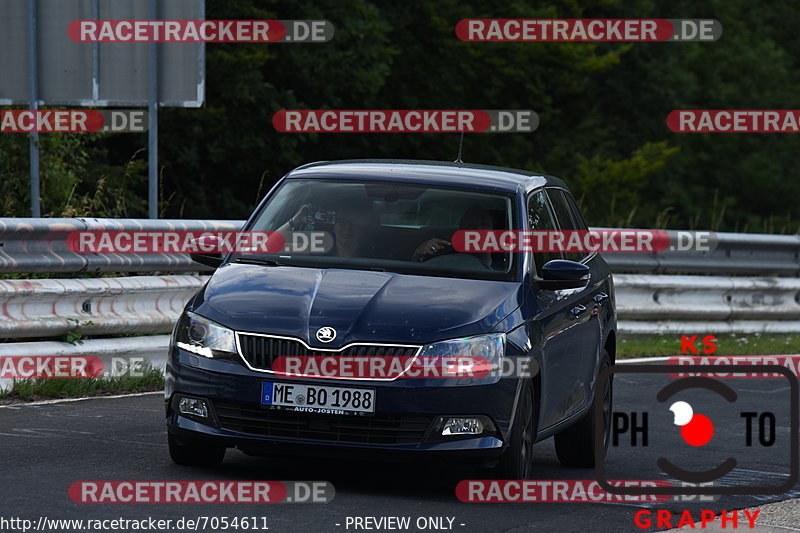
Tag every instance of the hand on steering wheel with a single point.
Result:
(431, 248)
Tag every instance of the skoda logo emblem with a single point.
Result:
(326, 334)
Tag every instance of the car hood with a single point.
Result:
(359, 305)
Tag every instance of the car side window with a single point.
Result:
(576, 213)
(541, 219)
(565, 219)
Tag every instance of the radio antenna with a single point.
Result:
(460, 146)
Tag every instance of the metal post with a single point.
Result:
(33, 103)
(152, 133)
(95, 56)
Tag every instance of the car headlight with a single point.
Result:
(199, 335)
(484, 352)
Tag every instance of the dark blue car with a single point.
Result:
(387, 280)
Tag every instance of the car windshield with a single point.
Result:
(385, 226)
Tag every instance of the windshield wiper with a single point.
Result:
(256, 261)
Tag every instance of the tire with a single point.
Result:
(517, 461)
(575, 446)
(194, 453)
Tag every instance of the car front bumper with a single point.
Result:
(406, 410)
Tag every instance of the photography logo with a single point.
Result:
(696, 429)
(710, 438)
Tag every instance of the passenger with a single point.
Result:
(353, 223)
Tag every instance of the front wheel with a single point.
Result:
(575, 446)
(517, 461)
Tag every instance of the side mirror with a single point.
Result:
(562, 274)
(212, 258)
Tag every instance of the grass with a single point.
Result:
(26, 390)
(729, 344)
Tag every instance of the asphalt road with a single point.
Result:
(45, 448)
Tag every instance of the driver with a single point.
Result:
(474, 218)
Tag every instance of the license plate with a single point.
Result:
(317, 398)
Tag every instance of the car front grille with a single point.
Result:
(253, 419)
(260, 351)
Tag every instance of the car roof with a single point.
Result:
(443, 173)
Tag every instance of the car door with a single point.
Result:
(585, 333)
(562, 323)
(551, 322)
(596, 291)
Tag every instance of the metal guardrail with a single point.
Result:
(646, 304)
(735, 253)
(125, 350)
(40, 245)
(152, 304)
(37, 245)
(97, 306)
(650, 304)
(48, 308)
